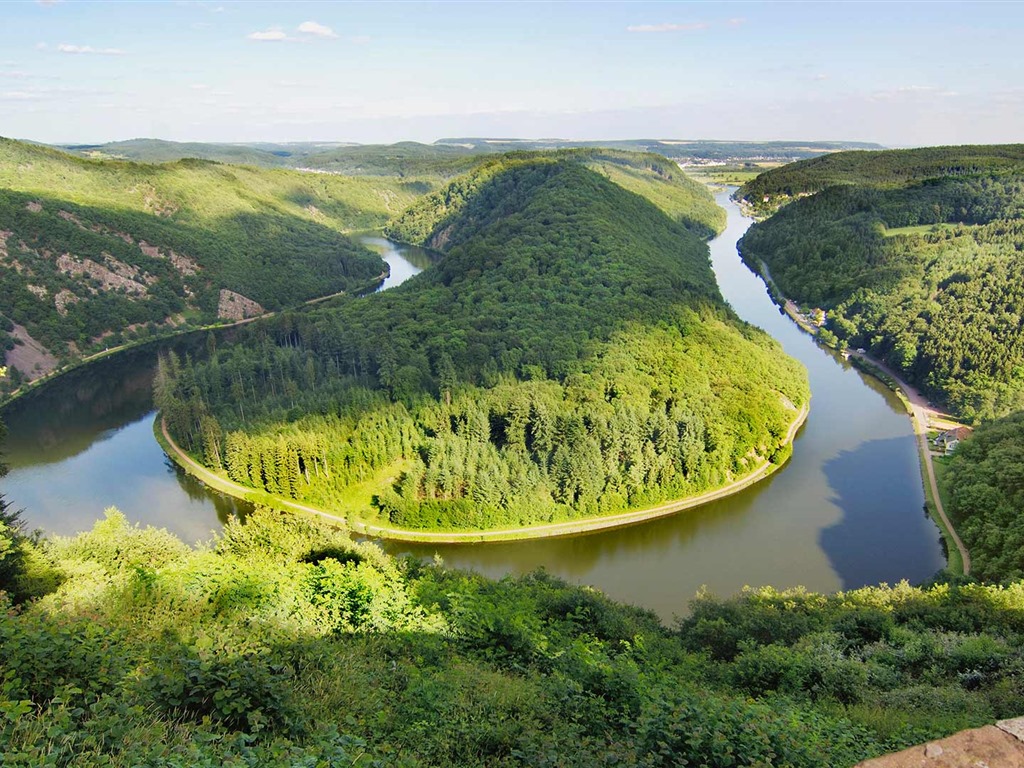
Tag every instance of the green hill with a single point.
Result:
(886, 168)
(92, 252)
(569, 356)
(649, 175)
(159, 151)
(927, 275)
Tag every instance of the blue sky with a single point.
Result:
(901, 74)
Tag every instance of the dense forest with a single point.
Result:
(569, 356)
(283, 643)
(95, 252)
(885, 168)
(985, 495)
(428, 222)
(928, 277)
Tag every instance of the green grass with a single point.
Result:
(922, 229)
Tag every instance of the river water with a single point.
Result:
(847, 510)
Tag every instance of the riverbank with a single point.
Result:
(548, 530)
(30, 386)
(922, 414)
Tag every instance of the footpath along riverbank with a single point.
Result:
(548, 530)
(922, 414)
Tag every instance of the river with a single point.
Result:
(847, 510)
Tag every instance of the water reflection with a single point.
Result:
(404, 260)
(850, 496)
(791, 529)
(868, 488)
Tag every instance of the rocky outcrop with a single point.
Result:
(30, 357)
(121, 276)
(993, 746)
(61, 301)
(235, 306)
(183, 264)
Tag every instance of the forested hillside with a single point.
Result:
(985, 493)
(283, 643)
(93, 252)
(429, 221)
(928, 276)
(885, 168)
(569, 356)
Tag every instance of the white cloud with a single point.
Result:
(199, 87)
(820, 77)
(318, 30)
(19, 96)
(736, 22)
(48, 2)
(695, 26)
(273, 35)
(359, 39)
(88, 49)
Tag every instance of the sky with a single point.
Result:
(900, 74)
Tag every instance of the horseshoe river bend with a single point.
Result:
(846, 510)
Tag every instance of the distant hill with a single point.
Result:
(648, 175)
(445, 157)
(890, 168)
(676, 149)
(96, 252)
(266, 154)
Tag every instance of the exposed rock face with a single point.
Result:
(994, 746)
(122, 276)
(183, 264)
(71, 217)
(34, 207)
(440, 239)
(235, 306)
(30, 357)
(62, 299)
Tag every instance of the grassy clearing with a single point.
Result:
(921, 229)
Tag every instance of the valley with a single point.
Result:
(549, 366)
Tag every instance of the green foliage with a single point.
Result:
(482, 193)
(886, 168)
(570, 356)
(129, 247)
(250, 653)
(985, 494)
(940, 300)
